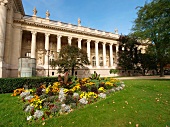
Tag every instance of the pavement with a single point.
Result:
(144, 77)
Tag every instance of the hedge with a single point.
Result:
(7, 85)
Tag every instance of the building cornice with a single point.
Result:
(56, 25)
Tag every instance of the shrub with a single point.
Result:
(113, 71)
(7, 85)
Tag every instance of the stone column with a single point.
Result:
(111, 55)
(69, 40)
(79, 42)
(58, 43)
(97, 53)
(104, 54)
(33, 44)
(46, 47)
(88, 49)
(117, 49)
(3, 14)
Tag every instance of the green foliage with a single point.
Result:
(95, 76)
(9, 84)
(113, 71)
(152, 24)
(128, 58)
(53, 63)
(71, 57)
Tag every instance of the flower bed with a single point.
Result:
(64, 96)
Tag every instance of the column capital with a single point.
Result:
(47, 34)
(110, 44)
(96, 42)
(3, 2)
(79, 39)
(59, 36)
(88, 40)
(69, 37)
(103, 43)
(34, 32)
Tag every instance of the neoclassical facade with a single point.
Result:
(36, 40)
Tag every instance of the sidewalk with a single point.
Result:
(144, 77)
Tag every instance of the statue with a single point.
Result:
(47, 14)
(116, 31)
(34, 11)
(79, 22)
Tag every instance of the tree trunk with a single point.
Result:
(161, 70)
(72, 71)
(143, 72)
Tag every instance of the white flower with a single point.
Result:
(28, 108)
(83, 101)
(28, 97)
(29, 118)
(117, 89)
(121, 88)
(123, 85)
(76, 95)
(38, 114)
(102, 95)
(24, 94)
(65, 108)
(43, 90)
(61, 96)
(113, 90)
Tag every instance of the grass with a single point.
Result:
(143, 102)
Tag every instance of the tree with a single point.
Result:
(152, 23)
(128, 59)
(71, 57)
(131, 57)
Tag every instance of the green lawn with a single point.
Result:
(143, 102)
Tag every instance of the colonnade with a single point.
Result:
(88, 41)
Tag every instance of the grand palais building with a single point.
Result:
(28, 42)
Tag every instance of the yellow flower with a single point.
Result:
(66, 90)
(101, 89)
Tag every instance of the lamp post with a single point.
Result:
(48, 55)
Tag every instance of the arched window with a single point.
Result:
(93, 61)
(101, 61)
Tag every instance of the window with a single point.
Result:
(93, 61)
(101, 61)
(52, 73)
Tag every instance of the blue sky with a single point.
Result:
(105, 15)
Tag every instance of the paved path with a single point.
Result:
(144, 77)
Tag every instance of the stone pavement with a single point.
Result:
(143, 77)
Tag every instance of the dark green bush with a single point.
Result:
(7, 85)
